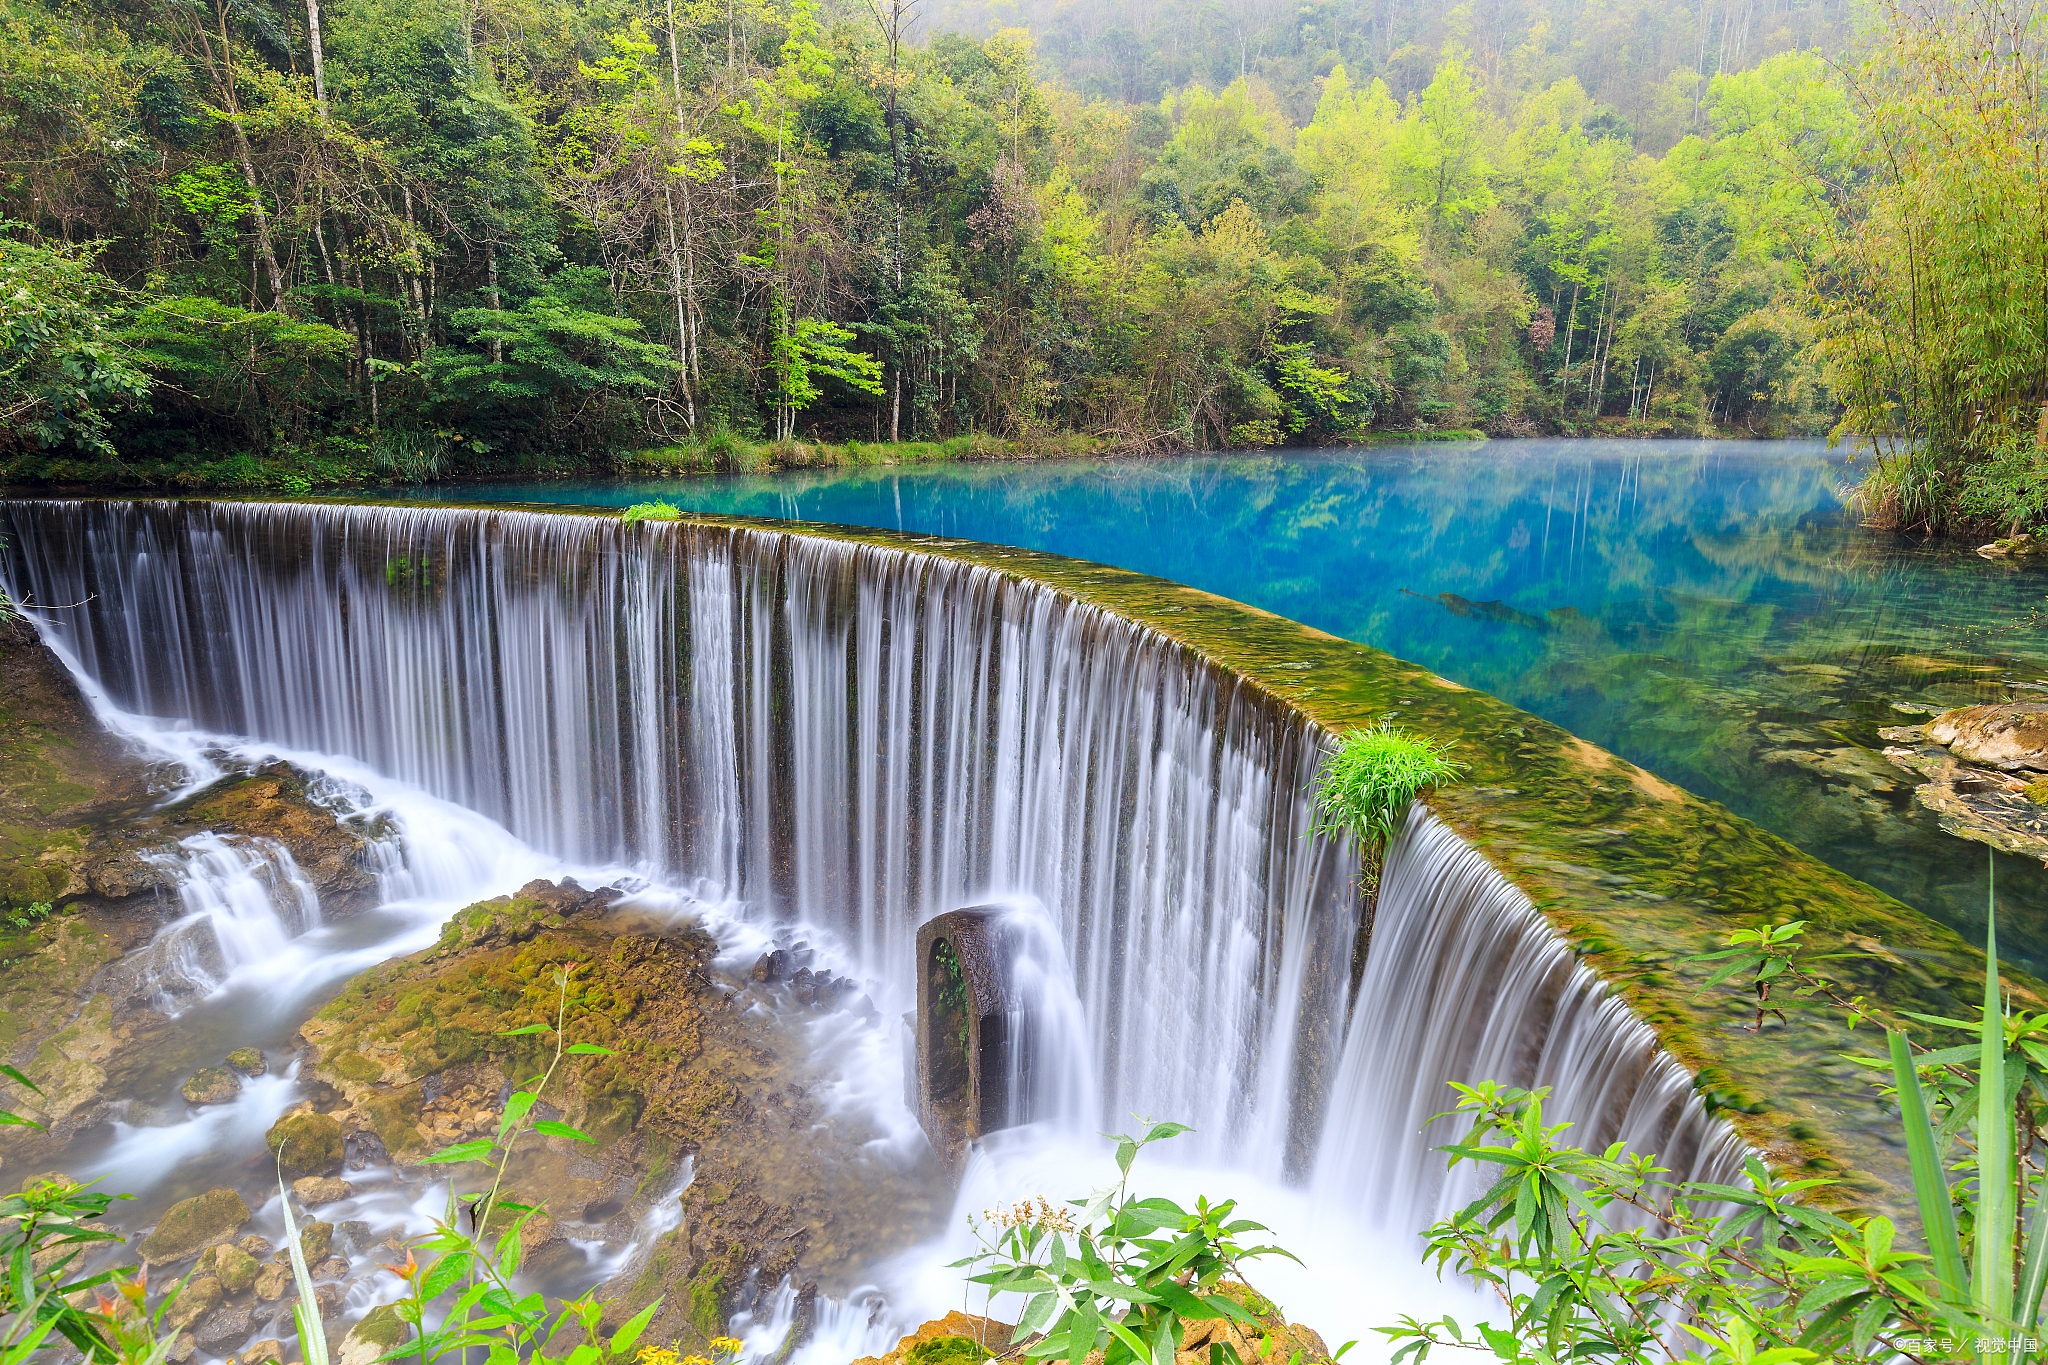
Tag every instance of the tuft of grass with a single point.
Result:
(1367, 784)
(652, 511)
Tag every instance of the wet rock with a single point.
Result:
(2010, 735)
(315, 1190)
(272, 1281)
(212, 1085)
(194, 1224)
(316, 1240)
(183, 1349)
(248, 1060)
(235, 1267)
(333, 1268)
(379, 1331)
(226, 1328)
(328, 1298)
(307, 1143)
(773, 966)
(272, 1350)
(201, 1295)
(2022, 546)
(257, 1247)
(351, 1238)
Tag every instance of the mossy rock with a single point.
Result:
(211, 1085)
(707, 1305)
(307, 1143)
(193, 1225)
(316, 1240)
(235, 1267)
(248, 1060)
(354, 1066)
(946, 1351)
(382, 1326)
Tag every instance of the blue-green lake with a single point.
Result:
(1709, 610)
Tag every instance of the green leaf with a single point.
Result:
(529, 1028)
(15, 1075)
(554, 1129)
(590, 1050)
(1930, 1180)
(623, 1339)
(445, 1272)
(1997, 1231)
(478, 1150)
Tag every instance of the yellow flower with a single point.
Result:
(657, 1355)
(695, 1360)
(727, 1344)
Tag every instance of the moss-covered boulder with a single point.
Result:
(211, 1085)
(307, 1143)
(316, 1241)
(235, 1268)
(372, 1338)
(193, 1225)
(248, 1061)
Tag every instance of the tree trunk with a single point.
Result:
(319, 56)
(224, 78)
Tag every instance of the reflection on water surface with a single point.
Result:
(1705, 609)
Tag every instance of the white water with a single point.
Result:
(855, 739)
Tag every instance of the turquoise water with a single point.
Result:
(1706, 609)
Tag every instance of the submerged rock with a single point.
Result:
(212, 1085)
(193, 1225)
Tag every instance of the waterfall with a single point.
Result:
(859, 737)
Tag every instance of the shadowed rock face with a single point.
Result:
(971, 1030)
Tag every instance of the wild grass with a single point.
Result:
(1367, 784)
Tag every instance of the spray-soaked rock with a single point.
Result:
(315, 1190)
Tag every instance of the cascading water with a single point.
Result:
(859, 738)
(244, 900)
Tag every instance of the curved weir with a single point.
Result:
(860, 736)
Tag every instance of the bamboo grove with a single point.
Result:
(287, 243)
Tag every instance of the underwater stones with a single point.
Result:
(201, 1295)
(211, 1085)
(236, 1268)
(315, 1190)
(193, 1225)
(2010, 735)
(307, 1143)
(248, 1061)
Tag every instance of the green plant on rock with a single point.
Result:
(43, 1229)
(1117, 1275)
(1600, 1257)
(1368, 782)
(658, 510)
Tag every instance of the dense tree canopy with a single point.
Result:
(282, 241)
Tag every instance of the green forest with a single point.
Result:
(288, 244)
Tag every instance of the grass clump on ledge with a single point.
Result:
(653, 511)
(1367, 784)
